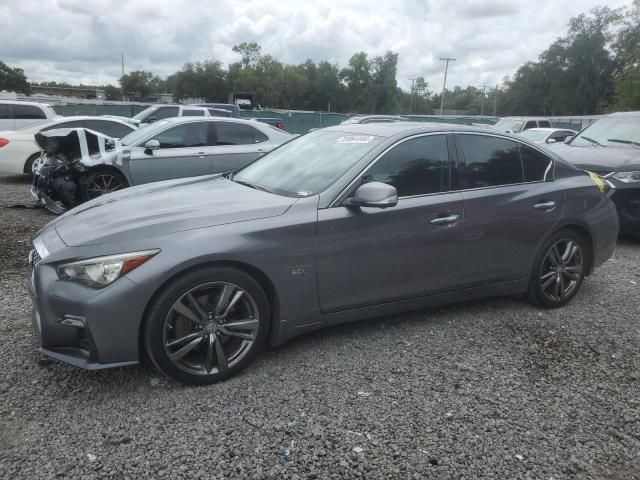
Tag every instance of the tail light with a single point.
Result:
(3, 142)
(280, 125)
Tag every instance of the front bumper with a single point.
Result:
(88, 328)
(627, 200)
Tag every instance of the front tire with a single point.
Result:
(559, 269)
(207, 325)
(100, 182)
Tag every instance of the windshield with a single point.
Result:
(534, 135)
(509, 124)
(610, 132)
(309, 164)
(144, 113)
(143, 132)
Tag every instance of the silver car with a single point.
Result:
(79, 165)
(341, 224)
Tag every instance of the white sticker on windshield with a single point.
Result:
(354, 139)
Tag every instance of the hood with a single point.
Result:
(600, 159)
(166, 207)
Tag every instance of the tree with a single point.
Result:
(249, 53)
(112, 93)
(139, 84)
(13, 79)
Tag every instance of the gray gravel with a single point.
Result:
(492, 389)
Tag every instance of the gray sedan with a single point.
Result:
(341, 224)
(79, 165)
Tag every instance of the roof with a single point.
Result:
(396, 128)
(547, 129)
(35, 104)
(624, 114)
(524, 118)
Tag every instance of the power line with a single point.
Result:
(444, 84)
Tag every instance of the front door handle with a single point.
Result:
(201, 154)
(545, 205)
(443, 221)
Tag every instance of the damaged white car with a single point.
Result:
(78, 165)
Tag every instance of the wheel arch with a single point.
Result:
(29, 162)
(257, 274)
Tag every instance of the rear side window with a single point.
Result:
(27, 112)
(164, 112)
(193, 113)
(4, 111)
(536, 165)
(489, 161)
(415, 167)
(238, 134)
(544, 124)
(110, 129)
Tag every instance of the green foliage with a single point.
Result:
(139, 84)
(13, 79)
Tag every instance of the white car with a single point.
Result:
(18, 148)
(548, 135)
(16, 114)
(161, 112)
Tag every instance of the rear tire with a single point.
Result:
(28, 165)
(100, 182)
(559, 269)
(207, 325)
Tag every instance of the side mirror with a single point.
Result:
(551, 140)
(150, 146)
(151, 119)
(373, 194)
(569, 138)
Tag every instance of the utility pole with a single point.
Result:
(495, 101)
(122, 58)
(444, 84)
(413, 81)
(484, 89)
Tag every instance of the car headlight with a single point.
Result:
(99, 272)
(627, 177)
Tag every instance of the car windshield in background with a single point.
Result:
(610, 132)
(534, 135)
(307, 165)
(508, 124)
(137, 135)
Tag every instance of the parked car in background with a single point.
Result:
(520, 124)
(610, 147)
(229, 107)
(273, 121)
(161, 112)
(16, 114)
(18, 148)
(340, 224)
(78, 165)
(548, 135)
(357, 119)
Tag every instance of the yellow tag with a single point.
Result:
(598, 181)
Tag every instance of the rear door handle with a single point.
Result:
(442, 221)
(545, 205)
(201, 154)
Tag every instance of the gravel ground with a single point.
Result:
(491, 389)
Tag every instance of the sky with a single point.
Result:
(80, 41)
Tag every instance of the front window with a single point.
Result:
(535, 135)
(143, 132)
(309, 164)
(611, 132)
(509, 125)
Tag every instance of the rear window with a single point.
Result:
(27, 112)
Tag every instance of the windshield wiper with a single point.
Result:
(595, 142)
(250, 185)
(626, 142)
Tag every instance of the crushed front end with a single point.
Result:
(66, 155)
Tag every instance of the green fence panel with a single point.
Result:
(89, 109)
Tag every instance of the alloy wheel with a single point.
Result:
(103, 184)
(562, 270)
(210, 328)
